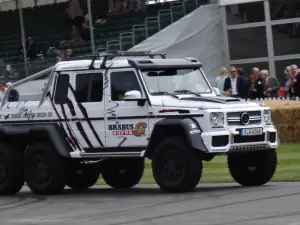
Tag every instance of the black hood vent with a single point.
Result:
(221, 100)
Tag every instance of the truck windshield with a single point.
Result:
(173, 80)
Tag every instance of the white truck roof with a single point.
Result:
(117, 63)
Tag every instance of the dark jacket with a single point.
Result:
(296, 85)
(13, 95)
(260, 86)
(275, 85)
(242, 86)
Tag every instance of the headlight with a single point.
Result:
(267, 117)
(216, 119)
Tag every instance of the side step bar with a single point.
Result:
(99, 155)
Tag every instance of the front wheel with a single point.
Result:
(252, 168)
(175, 165)
(123, 173)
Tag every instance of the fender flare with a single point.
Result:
(190, 128)
(52, 130)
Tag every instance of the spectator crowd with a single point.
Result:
(258, 84)
(13, 94)
(77, 18)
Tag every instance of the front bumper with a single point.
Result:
(230, 140)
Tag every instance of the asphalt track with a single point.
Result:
(210, 204)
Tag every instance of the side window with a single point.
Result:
(89, 87)
(121, 82)
(61, 89)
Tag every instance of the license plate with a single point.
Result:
(251, 131)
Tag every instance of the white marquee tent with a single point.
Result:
(234, 2)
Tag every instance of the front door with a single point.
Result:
(126, 122)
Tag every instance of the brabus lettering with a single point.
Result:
(137, 130)
(121, 127)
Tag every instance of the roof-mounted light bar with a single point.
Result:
(110, 55)
(139, 53)
(130, 54)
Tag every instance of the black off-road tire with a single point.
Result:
(83, 176)
(123, 173)
(11, 169)
(171, 152)
(46, 172)
(253, 168)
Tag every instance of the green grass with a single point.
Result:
(288, 168)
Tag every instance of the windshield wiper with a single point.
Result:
(187, 92)
(164, 93)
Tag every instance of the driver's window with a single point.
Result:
(122, 82)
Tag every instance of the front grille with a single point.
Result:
(233, 118)
(246, 139)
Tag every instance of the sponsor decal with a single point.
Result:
(140, 129)
(193, 126)
(25, 113)
(137, 130)
(195, 132)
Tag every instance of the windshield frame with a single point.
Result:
(140, 72)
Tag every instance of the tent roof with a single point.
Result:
(235, 2)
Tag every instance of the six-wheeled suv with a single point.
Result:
(106, 115)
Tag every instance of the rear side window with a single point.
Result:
(89, 87)
(61, 90)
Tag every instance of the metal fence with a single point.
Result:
(122, 42)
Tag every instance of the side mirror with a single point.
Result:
(217, 91)
(132, 95)
(135, 96)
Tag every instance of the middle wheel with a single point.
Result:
(83, 176)
(123, 173)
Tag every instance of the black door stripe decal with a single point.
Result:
(74, 140)
(85, 115)
(71, 107)
(78, 124)
(59, 124)
(85, 137)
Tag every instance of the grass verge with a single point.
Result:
(288, 168)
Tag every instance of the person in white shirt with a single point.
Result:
(234, 85)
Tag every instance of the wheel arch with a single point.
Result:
(189, 128)
(33, 133)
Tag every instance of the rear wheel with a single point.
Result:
(253, 168)
(176, 167)
(123, 173)
(11, 170)
(46, 172)
(83, 176)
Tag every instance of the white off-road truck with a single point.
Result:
(106, 115)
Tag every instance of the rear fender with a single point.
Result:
(35, 133)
